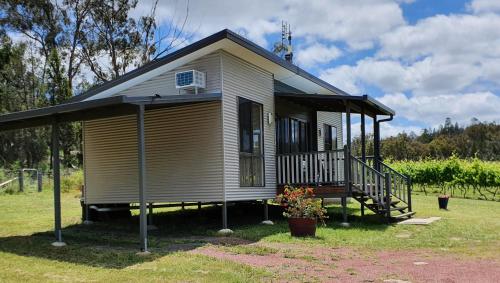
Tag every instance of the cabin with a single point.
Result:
(220, 121)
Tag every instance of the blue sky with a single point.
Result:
(427, 59)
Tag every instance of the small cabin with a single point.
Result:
(221, 121)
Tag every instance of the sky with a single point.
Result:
(427, 59)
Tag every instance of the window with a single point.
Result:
(251, 140)
(292, 135)
(330, 137)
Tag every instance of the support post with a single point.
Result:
(266, 210)
(376, 144)
(141, 150)
(224, 215)
(199, 205)
(39, 177)
(346, 170)
(388, 195)
(349, 149)
(408, 187)
(57, 184)
(20, 178)
(363, 157)
(344, 212)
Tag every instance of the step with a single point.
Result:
(395, 208)
(404, 215)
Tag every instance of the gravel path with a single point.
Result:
(304, 263)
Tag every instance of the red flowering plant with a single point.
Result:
(300, 203)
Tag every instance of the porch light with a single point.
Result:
(270, 118)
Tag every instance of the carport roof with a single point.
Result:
(95, 109)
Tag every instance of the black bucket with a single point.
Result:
(443, 203)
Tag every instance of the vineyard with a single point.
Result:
(468, 178)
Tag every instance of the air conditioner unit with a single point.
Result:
(191, 79)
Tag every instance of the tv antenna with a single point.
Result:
(284, 48)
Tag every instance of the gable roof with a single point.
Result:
(224, 35)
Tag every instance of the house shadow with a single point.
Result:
(114, 243)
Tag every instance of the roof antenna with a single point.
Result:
(284, 48)
(289, 52)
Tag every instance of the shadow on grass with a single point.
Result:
(114, 244)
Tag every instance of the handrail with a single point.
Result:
(401, 184)
(367, 166)
(393, 170)
(370, 181)
(8, 182)
(309, 152)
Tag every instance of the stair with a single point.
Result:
(374, 189)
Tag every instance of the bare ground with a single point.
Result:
(299, 263)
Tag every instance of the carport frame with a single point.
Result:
(97, 109)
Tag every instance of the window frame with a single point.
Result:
(253, 155)
(327, 134)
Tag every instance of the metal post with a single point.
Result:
(388, 195)
(346, 170)
(408, 185)
(21, 180)
(141, 150)
(224, 215)
(150, 214)
(349, 149)
(344, 212)
(266, 210)
(363, 157)
(376, 144)
(39, 179)
(57, 184)
(199, 205)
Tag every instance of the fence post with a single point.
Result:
(388, 194)
(408, 187)
(39, 179)
(21, 180)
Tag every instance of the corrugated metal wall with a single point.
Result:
(332, 119)
(184, 158)
(165, 84)
(243, 79)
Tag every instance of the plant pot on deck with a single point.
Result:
(302, 227)
(443, 202)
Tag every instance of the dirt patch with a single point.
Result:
(305, 263)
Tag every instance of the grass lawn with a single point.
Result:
(107, 251)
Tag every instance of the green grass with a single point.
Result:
(469, 227)
(100, 252)
(107, 251)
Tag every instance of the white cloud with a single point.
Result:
(432, 110)
(343, 77)
(357, 22)
(464, 37)
(480, 6)
(317, 54)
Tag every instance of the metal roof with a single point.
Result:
(223, 34)
(337, 103)
(95, 109)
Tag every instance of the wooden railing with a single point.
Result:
(374, 184)
(400, 184)
(311, 168)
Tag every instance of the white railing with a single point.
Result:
(309, 168)
(371, 182)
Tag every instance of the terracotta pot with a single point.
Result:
(302, 227)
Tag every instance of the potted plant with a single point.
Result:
(443, 201)
(302, 210)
